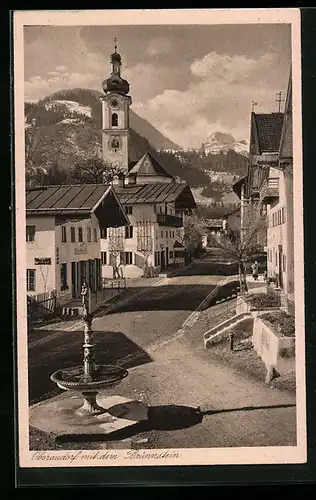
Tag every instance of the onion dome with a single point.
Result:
(115, 83)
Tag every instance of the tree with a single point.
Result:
(241, 245)
(145, 243)
(95, 171)
(116, 246)
(190, 235)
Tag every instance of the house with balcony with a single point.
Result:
(278, 197)
(268, 189)
(63, 229)
(156, 204)
(261, 184)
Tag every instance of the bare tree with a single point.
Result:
(96, 171)
(145, 243)
(116, 247)
(240, 245)
(190, 234)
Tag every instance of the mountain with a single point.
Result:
(220, 142)
(65, 128)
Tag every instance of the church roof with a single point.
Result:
(149, 166)
(156, 193)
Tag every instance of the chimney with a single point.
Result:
(121, 180)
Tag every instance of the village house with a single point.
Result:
(63, 225)
(280, 233)
(155, 201)
(268, 189)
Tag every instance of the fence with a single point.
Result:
(41, 306)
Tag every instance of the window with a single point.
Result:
(63, 277)
(63, 234)
(161, 234)
(129, 210)
(171, 254)
(127, 258)
(284, 262)
(95, 234)
(89, 234)
(72, 234)
(128, 231)
(103, 258)
(160, 210)
(167, 234)
(276, 258)
(30, 280)
(283, 215)
(30, 233)
(114, 119)
(104, 233)
(80, 237)
(172, 234)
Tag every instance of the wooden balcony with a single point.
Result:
(269, 190)
(169, 220)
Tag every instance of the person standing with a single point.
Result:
(255, 271)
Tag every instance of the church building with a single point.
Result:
(155, 201)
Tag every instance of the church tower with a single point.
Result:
(115, 116)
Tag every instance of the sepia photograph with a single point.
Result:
(159, 237)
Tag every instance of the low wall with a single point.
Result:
(276, 352)
(129, 271)
(243, 306)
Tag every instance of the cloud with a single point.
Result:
(61, 68)
(37, 87)
(219, 98)
(158, 46)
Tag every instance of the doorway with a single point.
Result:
(162, 260)
(280, 266)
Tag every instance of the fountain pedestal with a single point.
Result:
(91, 413)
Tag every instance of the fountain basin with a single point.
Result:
(103, 376)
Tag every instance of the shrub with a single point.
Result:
(264, 300)
(284, 323)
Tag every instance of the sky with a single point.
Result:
(187, 81)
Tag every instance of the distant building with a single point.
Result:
(231, 220)
(155, 201)
(63, 225)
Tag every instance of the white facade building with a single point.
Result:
(63, 248)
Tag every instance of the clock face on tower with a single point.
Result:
(115, 144)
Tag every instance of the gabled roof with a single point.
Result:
(238, 185)
(177, 244)
(74, 200)
(234, 211)
(286, 143)
(266, 132)
(149, 166)
(156, 193)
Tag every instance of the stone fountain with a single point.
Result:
(81, 412)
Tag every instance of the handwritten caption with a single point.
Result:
(82, 456)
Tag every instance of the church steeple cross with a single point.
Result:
(115, 44)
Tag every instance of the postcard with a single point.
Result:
(159, 237)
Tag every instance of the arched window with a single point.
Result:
(114, 119)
